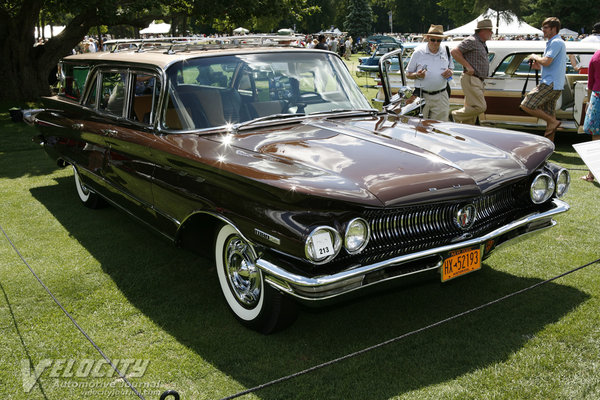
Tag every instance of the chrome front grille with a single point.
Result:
(409, 229)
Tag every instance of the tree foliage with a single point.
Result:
(25, 68)
(359, 18)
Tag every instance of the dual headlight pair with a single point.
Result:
(325, 242)
(544, 186)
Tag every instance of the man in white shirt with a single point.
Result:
(431, 66)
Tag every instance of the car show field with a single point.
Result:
(142, 299)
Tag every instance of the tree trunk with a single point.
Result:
(25, 69)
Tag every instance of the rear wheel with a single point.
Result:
(253, 301)
(87, 197)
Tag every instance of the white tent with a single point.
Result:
(567, 32)
(285, 31)
(240, 31)
(156, 28)
(508, 26)
(50, 31)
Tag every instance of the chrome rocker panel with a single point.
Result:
(329, 286)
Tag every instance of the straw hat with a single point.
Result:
(436, 31)
(484, 24)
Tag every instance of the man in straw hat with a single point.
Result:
(431, 67)
(541, 101)
(472, 54)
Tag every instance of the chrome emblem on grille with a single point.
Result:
(465, 216)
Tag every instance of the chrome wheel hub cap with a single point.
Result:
(242, 273)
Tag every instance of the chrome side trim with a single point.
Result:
(329, 286)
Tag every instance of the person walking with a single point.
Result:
(541, 101)
(348, 48)
(591, 124)
(430, 67)
(472, 54)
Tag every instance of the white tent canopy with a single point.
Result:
(240, 31)
(567, 32)
(50, 31)
(509, 25)
(156, 28)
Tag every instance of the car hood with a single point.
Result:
(383, 160)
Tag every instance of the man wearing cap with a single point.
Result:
(541, 101)
(431, 67)
(472, 54)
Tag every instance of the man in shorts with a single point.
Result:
(541, 101)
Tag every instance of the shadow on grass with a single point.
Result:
(179, 291)
(19, 155)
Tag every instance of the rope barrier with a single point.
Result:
(403, 336)
(318, 366)
(83, 332)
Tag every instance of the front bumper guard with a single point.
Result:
(330, 286)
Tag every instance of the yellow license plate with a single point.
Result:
(460, 262)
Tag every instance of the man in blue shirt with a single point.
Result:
(541, 101)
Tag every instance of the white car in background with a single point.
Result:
(509, 70)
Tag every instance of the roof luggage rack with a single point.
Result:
(172, 45)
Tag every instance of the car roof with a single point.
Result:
(163, 54)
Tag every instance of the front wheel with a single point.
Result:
(87, 197)
(253, 302)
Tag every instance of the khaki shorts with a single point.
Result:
(542, 97)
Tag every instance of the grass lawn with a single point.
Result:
(157, 310)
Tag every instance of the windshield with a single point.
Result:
(213, 91)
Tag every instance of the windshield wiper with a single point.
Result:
(236, 127)
(371, 111)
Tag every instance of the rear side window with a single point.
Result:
(72, 79)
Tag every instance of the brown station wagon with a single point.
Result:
(271, 156)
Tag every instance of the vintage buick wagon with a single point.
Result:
(272, 157)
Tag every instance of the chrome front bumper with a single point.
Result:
(329, 286)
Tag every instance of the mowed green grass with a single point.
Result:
(142, 299)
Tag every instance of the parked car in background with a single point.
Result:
(270, 158)
(509, 70)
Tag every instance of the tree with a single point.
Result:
(359, 19)
(578, 16)
(25, 68)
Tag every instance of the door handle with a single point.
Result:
(109, 132)
(77, 126)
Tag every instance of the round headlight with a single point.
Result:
(563, 181)
(542, 188)
(356, 236)
(322, 245)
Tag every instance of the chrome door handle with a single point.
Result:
(109, 132)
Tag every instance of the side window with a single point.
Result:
(112, 95)
(72, 80)
(146, 91)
